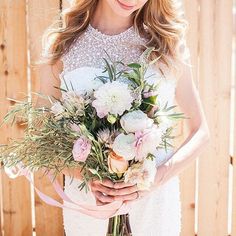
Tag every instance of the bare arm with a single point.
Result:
(188, 99)
(49, 79)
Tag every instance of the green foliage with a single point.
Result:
(48, 138)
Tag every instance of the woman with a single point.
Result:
(122, 29)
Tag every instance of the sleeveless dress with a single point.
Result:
(157, 214)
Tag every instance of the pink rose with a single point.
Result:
(117, 164)
(81, 149)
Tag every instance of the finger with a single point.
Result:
(115, 192)
(105, 182)
(122, 185)
(125, 191)
(103, 198)
(126, 197)
(99, 203)
(108, 191)
(141, 194)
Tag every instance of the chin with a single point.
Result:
(120, 10)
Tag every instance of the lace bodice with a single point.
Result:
(92, 46)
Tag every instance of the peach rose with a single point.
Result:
(117, 164)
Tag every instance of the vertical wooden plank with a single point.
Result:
(13, 73)
(233, 233)
(41, 15)
(215, 72)
(187, 184)
(1, 205)
(234, 169)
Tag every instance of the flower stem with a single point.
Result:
(119, 226)
(115, 225)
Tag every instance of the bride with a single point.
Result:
(93, 29)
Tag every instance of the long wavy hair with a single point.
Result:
(161, 21)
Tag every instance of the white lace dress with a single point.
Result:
(158, 214)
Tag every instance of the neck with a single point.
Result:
(103, 16)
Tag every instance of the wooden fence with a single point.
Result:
(208, 187)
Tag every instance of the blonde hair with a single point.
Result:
(161, 21)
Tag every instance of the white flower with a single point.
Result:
(112, 98)
(141, 173)
(135, 121)
(57, 109)
(124, 146)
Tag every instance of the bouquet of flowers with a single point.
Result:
(111, 132)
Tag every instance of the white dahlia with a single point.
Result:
(112, 98)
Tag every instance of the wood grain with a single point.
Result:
(214, 87)
(16, 200)
(188, 177)
(41, 15)
(234, 137)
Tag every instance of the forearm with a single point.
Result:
(192, 147)
(73, 172)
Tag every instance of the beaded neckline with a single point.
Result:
(102, 36)
(90, 48)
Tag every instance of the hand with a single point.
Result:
(129, 192)
(126, 192)
(107, 191)
(160, 178)
(103, 191)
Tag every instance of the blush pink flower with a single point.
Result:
(141, 173)
(147, 142)
(81, 149)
